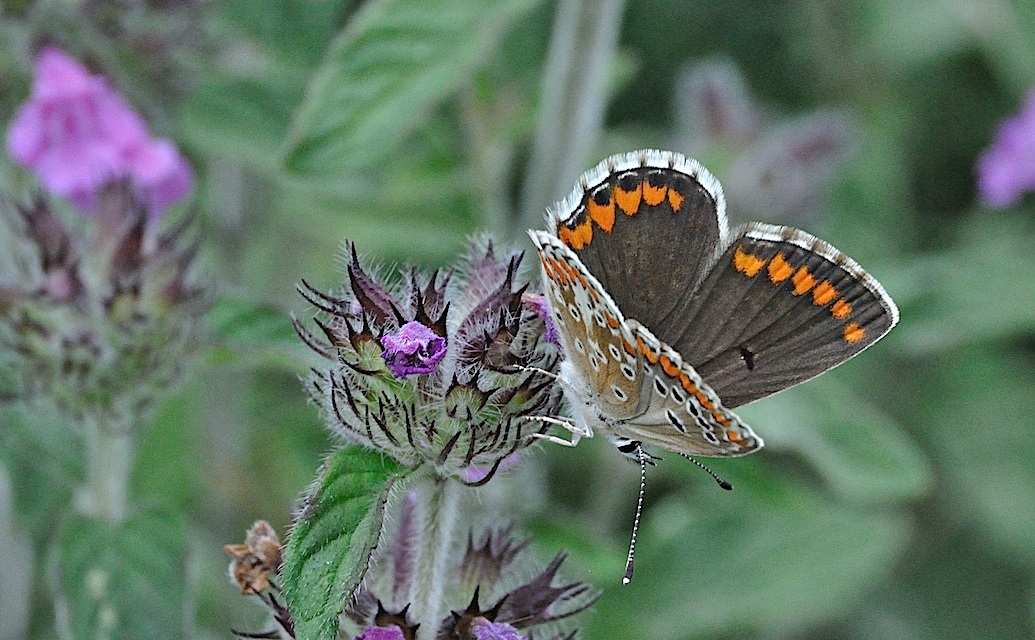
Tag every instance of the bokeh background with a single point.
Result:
(896, 495)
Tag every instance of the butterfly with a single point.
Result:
(668, 320)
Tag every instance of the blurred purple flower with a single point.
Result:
(1007, 168)
(391, 632)
(413, 349)
(77, 135)
(482, 629)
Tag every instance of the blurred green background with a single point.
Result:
(896, 495)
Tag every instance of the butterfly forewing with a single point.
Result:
(780, 307)
(645, 213)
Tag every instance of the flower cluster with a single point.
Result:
(78, 135)
(445, 369)
(1007, 169)
(97, 321)
(485, 572)
(380, 610)
(772, 172)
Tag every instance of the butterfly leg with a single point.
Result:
(577, 432)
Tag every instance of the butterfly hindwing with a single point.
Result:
(779, 307)
(681, 412)
(596, 340)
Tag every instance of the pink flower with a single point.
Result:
(77, 134)
(1007, 169)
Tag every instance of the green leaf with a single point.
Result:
(859, 450)
(124, 581)
(329, 548)
(253, 333)
(775, 554)
(44, 455)
(249, 323)
(385, 73)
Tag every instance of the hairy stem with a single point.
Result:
(109, 461)
(441, 509)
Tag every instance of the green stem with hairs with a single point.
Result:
(109, 461)
(441, 508)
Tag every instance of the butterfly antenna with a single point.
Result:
(641, 455)
(722, 483)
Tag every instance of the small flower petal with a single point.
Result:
(414, 349)
(1007, 168)
(391, 632)
(77, 134)
(482, 629)
(160, 173)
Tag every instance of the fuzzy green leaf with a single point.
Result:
(124, 581)
(384, 74)
(329, 549)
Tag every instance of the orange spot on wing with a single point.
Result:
(687, 384)
(841, 309)
(576, 237)
(629, 348)
(611, 321)
(854, 332)
(824, 293)
(602, 214)
(560, 274)
(653, 195)
(779, 269)
(666, 365)
(733, 436)
(803, 281)
(652, 356)
(629, 201)
(747, 263)
(675, 199)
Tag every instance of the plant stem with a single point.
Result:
(440, 515)
(574, 94)
(109, 461)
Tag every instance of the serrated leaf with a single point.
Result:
(126, 580)
(385, 72)
(329, 548)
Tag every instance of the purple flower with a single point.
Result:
(537, 303)
(1007, 169)
(482, 629)
(391, 632)
(77, 135)
(413, 349)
